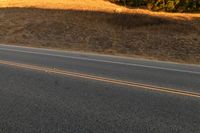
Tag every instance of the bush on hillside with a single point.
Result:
(164, 5)
(174, 5)
(130, 2)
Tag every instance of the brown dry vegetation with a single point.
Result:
(97, 28)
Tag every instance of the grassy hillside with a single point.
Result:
(61, 4)
(99, 27)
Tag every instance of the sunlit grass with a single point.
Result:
(94, 5)
(61, 4)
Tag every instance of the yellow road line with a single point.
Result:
(102, 79)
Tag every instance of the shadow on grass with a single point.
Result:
(115, 19)
(112, 33)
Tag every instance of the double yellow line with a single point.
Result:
(102, 79)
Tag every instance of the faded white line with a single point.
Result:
(102, 61)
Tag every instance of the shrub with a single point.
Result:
(164, 5)
(174, 5)
(134, 3)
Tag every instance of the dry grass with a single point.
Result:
(89, 5)
(94, 5)
(98, 28)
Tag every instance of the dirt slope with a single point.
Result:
(99, 28)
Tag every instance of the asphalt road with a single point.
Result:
(34, 101)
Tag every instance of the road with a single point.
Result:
(55, 91)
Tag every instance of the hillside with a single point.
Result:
(99, 26)
(60, 4)
(90, 5)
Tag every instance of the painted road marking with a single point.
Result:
(102, 79)
(102, 61)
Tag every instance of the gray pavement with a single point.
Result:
(181, 76)
(39, 102)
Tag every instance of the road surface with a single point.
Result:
(49, 91)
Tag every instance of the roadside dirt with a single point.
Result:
(155, 36)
